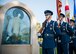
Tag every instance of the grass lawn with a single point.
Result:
(40, 50)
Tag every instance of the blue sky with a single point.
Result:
(39, 6)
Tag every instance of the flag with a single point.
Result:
(59, 5)
(75, 10)
(67, 12)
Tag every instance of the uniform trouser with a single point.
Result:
(59, 48)
(63, 48)
(47, 50)
(72, 48)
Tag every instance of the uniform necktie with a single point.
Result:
(47, 24)
(60, 24)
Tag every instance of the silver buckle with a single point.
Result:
(47, 34)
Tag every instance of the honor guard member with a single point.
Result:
(65, 38)
(59, 46)
(49, 28)
(72, 44)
